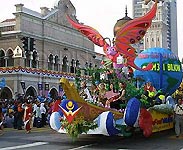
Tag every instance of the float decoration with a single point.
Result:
(77, 127)
(124, 37)
(166, 74)
(162, 108)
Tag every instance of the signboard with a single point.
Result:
(161, 121)
(17, 52)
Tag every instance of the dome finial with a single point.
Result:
(126, 11)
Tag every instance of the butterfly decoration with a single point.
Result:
(130, 33)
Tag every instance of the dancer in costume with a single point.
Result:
(28, 116)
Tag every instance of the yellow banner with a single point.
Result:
(161, 121)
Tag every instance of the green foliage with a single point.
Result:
(78, 127)
(78, 78)
(132, 91)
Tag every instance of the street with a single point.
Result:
(47, 139)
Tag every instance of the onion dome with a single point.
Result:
(120, 22)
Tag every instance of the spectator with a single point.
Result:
(43, 114)
(20, 116)
(178, 113)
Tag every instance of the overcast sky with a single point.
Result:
(100, 14)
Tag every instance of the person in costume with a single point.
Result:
(178, 115)
(101, 96)
(85, 93)
(149, 91)
(121, 99)
(28, 113)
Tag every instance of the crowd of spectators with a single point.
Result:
(12, 112)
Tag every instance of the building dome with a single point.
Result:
(120, 22)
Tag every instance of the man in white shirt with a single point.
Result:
(178, 112)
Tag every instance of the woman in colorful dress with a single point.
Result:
(121, 98)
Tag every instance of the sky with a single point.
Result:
(99, 14)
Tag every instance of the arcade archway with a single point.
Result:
(53, 93)
(31, 92)
(6, 93)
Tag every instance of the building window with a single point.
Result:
(10, 60)
(34, 59)
(64, 64)
(50, 62)
(2, 58)
(72, 67)
(56, 65)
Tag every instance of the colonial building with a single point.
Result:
(163, 31)
(37, 49)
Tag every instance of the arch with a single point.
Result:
(2, 58)
(50, 58)
(56, 65)
(53, 93)
(34, 60)
(31, 91)
(10, 59)
(50, 62)
(64, 64)
(6, 93)
(72, 66)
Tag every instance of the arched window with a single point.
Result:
(64, 64)
(10, 60)
(56, 65)
(2, 58)
(50, 62)
(86, 68)
(35, 59)
(72, 67)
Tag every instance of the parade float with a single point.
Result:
(74, 115)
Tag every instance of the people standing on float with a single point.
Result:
(101, 94)
(28, 116)
(116, 103)
(178, 115)
(85, 93)
(149, 91)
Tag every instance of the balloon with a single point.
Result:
(166, 73)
